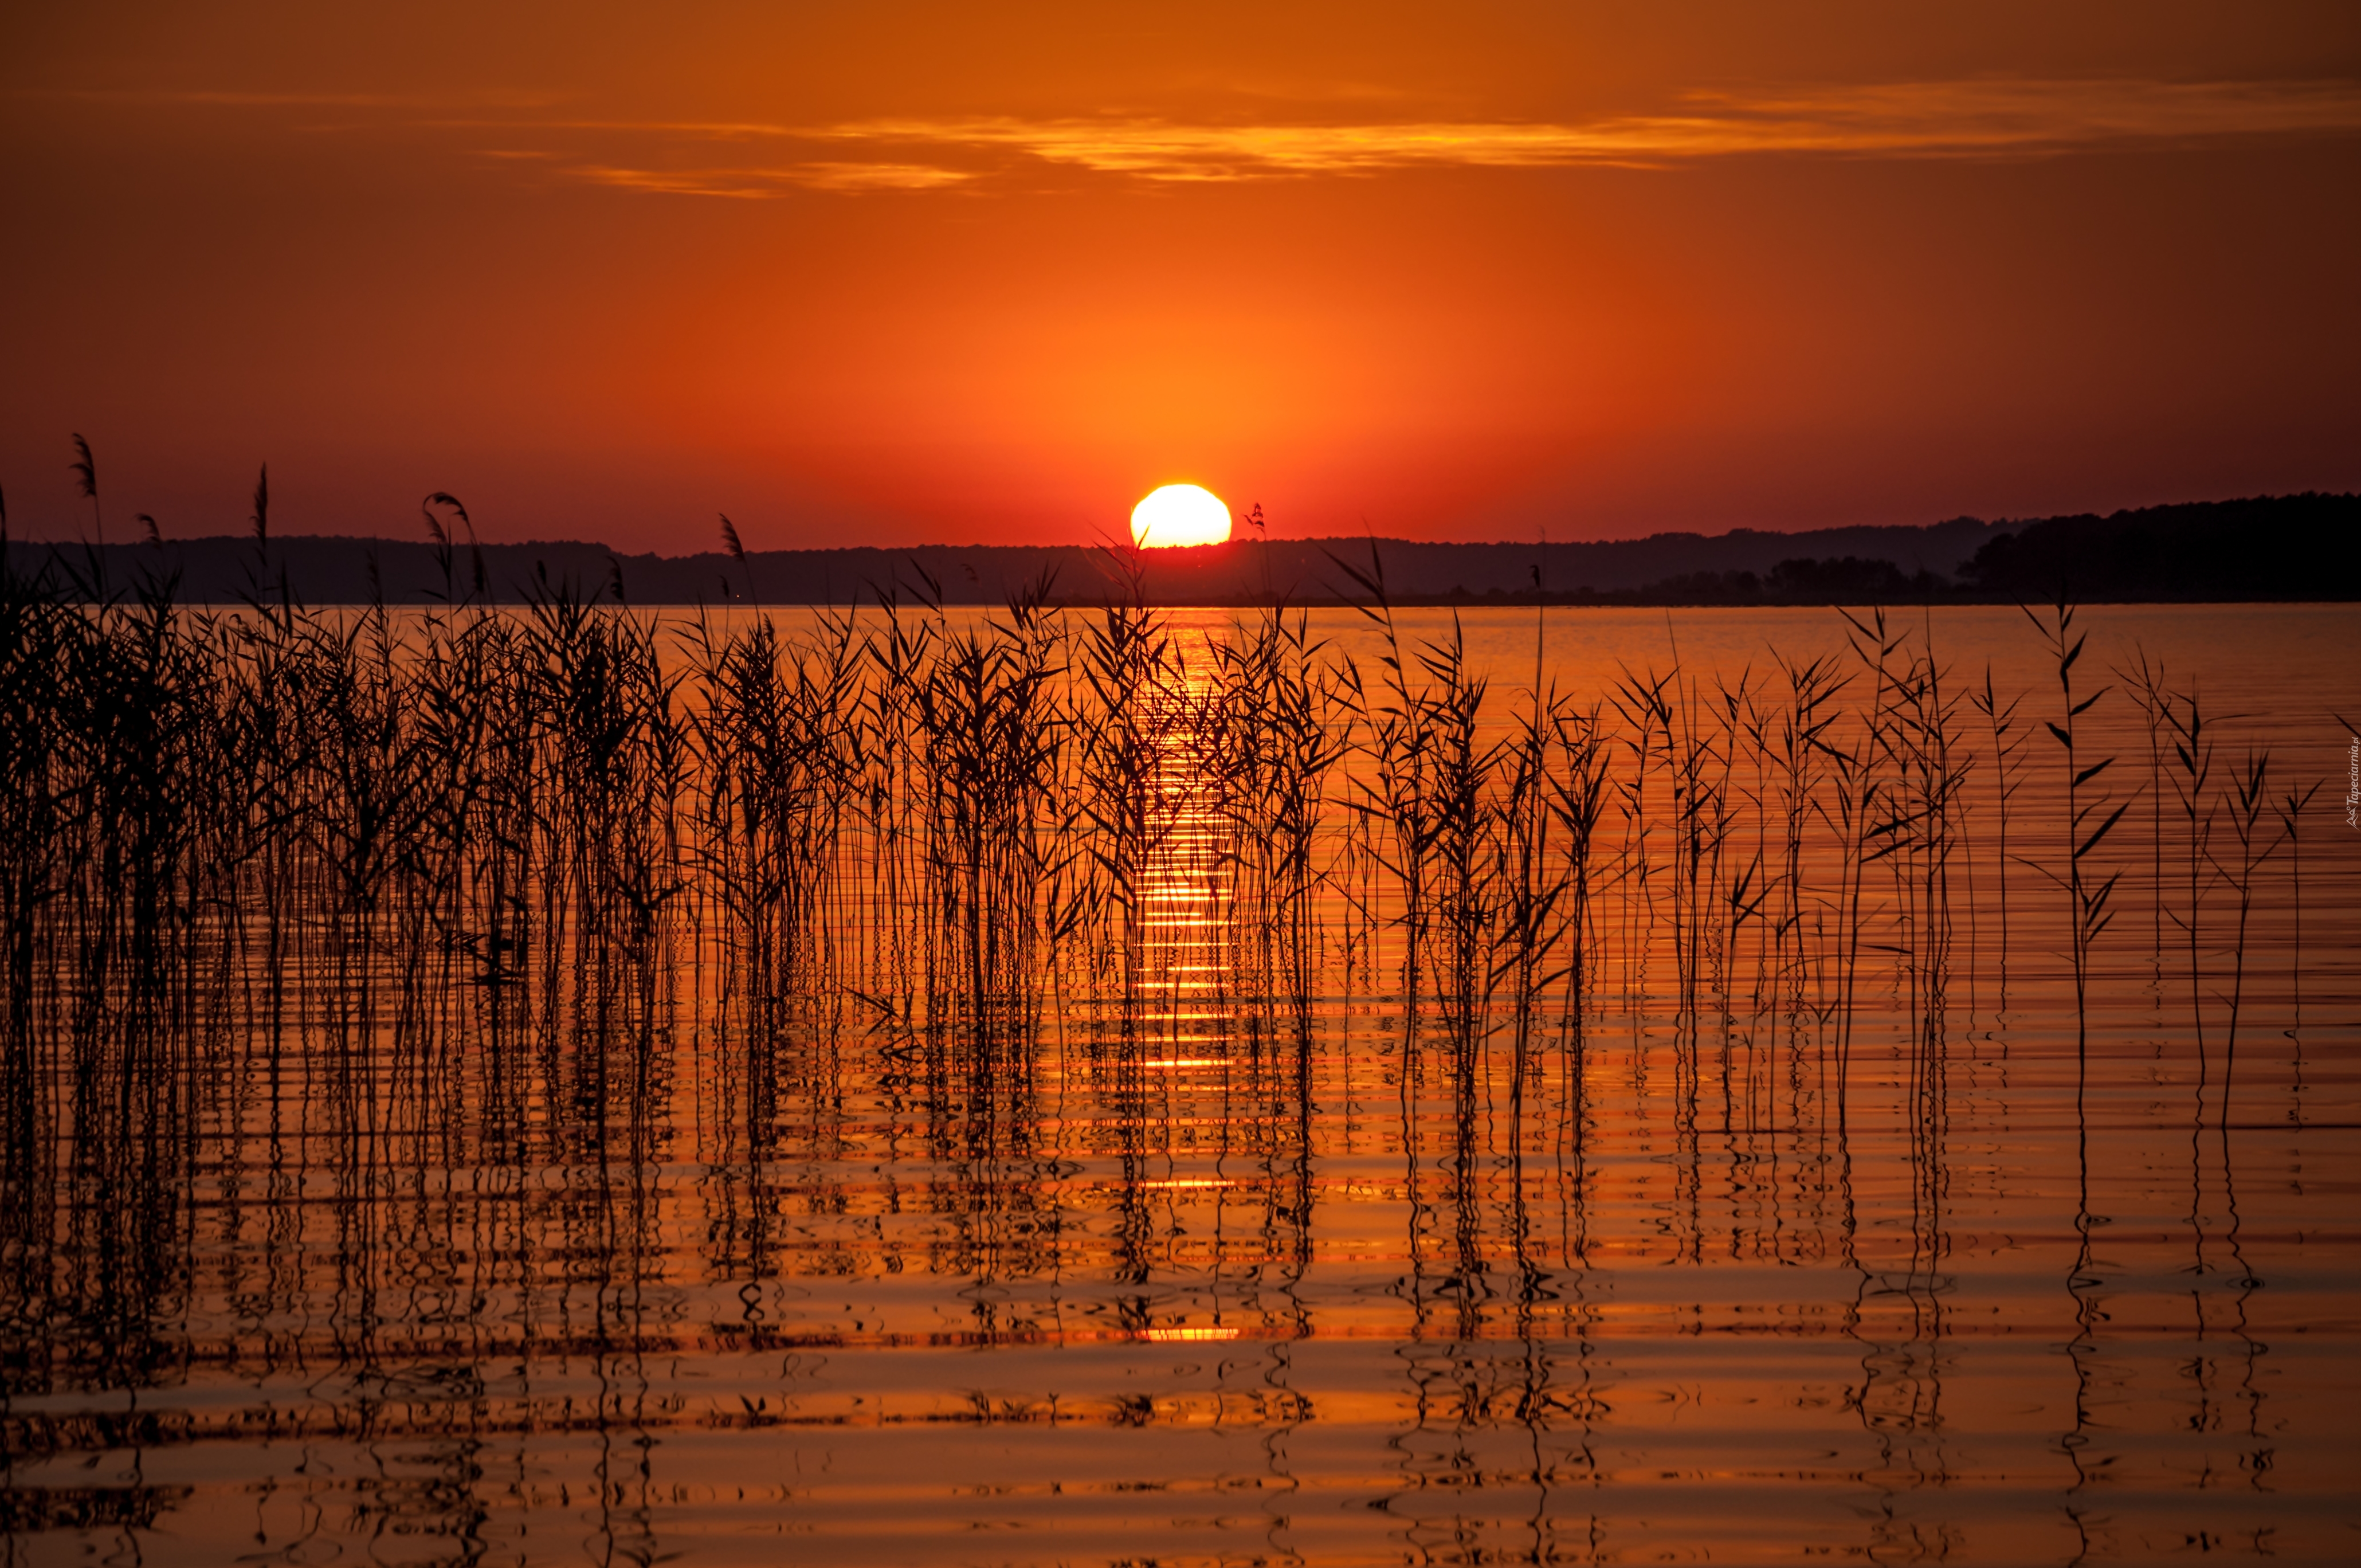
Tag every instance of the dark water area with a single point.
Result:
(557, 1086)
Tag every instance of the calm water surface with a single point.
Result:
(1744, 1279)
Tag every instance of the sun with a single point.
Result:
(1180, 514)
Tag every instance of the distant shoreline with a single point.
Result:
(2272, 549)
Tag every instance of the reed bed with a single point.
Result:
(584, 825)
(499, 868)
(377, 983)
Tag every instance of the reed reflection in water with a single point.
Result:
(1111, 1086)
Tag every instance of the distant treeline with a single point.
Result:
(2269, 547)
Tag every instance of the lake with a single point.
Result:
(1180, 1087)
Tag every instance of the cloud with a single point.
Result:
(1959, 119)
(758, 183)
(1992, 118)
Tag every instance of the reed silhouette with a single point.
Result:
(949, 826)
(408, 908)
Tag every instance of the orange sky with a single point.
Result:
(890, 273)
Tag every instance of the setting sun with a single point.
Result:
(1180, 514)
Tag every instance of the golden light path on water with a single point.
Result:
(1751, 1256)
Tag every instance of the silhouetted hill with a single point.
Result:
(2269, 547)
(2273, 547)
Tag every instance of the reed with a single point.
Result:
(373, 857)
(84, 468)
(2290, 806)
(2246, 798)
(2144, 680)
(2191, 773)
(2088, 896)
(1282, 737)
(2006, 764)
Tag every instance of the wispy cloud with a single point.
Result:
(757, 183)
(1992, 118)
(1955, 119)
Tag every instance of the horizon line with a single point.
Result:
(1235, 538)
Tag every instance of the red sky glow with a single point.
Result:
(895, 273)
